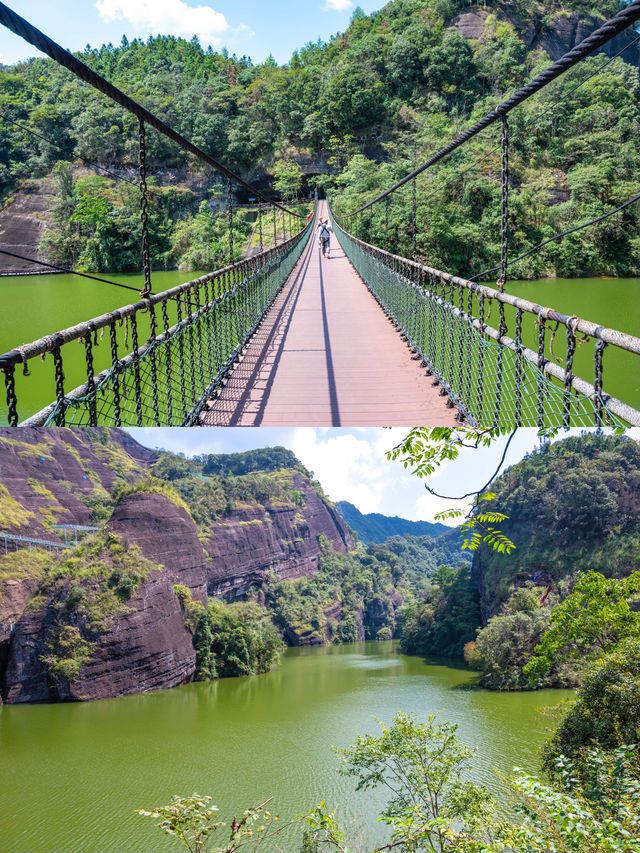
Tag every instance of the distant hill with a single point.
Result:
(375, 527)
(424, 554)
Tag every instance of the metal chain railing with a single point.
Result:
(168, 379)
(491, 378)
(144, 215)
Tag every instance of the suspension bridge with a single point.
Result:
(367, 337)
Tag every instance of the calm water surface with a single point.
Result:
(73, 774)
(34, 306)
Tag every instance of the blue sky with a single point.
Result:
(351, 463)
(245, 27)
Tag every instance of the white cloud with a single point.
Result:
(338, 5)
(351, 466)
(168, 17)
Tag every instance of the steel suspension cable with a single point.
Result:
(71, 272)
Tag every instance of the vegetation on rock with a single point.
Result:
(86, 589)
(230, 639)
(606, 711)
(446, 619)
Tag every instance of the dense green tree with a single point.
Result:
(447, 620)
(606, 712)
(504, 645)
(592, 621)
(288, 179)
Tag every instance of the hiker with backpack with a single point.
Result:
(324, 237)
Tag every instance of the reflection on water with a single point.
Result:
(76, 772)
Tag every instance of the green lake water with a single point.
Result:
(73, 774)
(33, 306)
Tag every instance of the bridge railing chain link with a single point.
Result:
(167, 379)
(492, 378)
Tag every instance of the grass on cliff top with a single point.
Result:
(12, 513)
(151, 486)
(125, 468)
(94, 580)
(85, 588)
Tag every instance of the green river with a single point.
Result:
(72, 774)
(34, 306)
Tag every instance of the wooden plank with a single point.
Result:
(326, 355)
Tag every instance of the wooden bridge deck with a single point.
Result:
(326, 355)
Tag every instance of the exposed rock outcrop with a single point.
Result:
(245, 547)
(50, 471)
(556, 37)
(22, 225)
(146, 646)
(50, 475)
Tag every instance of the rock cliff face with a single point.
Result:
(52, 472)
(50, 477)
(255, 541)
(557, 36)
(147, 646)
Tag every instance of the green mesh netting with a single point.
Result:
(176, 373)
(488, 382)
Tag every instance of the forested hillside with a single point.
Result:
(357, 112)
(573, 512)
(376, 527)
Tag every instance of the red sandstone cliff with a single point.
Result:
(146, 646)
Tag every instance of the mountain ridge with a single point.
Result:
(376, 527)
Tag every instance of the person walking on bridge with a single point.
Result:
(324, 235)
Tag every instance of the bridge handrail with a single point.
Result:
(593, 330)
(609, 30)
(38, 39)
(48, 343)
(12, 537)
(203, 309)
(573, 324)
